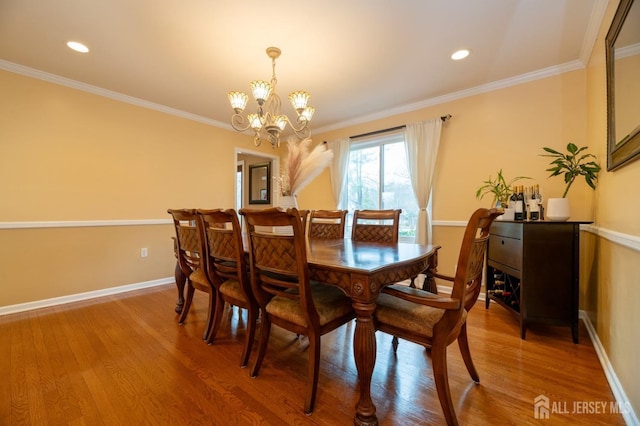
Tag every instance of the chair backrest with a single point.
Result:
(304, 217)
(327, 224)
(376, 225)
(221, 237)
(187, 242)
(468, 276)
(278, 261)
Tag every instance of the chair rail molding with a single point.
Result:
(83, 223)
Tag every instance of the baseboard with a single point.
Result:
(21, 307)
(627, 411)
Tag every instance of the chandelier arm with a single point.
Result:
(237, 122)
(303, 131)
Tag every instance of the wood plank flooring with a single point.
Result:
(124, 360)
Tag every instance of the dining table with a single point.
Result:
(362, 269)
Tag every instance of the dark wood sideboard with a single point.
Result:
(533, 271)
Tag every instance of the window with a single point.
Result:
(378, 178)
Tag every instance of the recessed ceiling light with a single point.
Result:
(78, 47)
(460, 54)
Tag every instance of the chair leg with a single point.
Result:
(394, 343)
(181, 280)
(463, 344)
(439, 360)
(252, 314)
(217, 319)
(210, 315)
(313, 373)
(187, 303)
(265, 330)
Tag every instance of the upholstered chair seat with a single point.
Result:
(330, 302)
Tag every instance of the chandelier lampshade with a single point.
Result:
(238, 101)
(268, 122)
(299, 100)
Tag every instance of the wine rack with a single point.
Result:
(503, 288)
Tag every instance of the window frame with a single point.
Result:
(370, 141)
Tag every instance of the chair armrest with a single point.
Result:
(440, 276)
(422, 297)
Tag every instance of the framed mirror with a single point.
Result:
(622, 45)
(260, 183)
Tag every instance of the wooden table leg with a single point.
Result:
(364, 348)
(181, 280)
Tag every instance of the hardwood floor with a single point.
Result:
(124, 360)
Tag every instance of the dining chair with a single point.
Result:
(225, 267)
(436, 321)
(304, 217)
(376, 225)
(327, 224)
(287, 297)
(189, 248)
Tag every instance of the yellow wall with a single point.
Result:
(503, 129)
(612, 294)
(67, 155)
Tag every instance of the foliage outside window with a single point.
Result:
(378, 178)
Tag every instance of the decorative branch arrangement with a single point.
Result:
(302, 166)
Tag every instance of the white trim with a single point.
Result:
(593, 28)
(67, 82)
(625, 240)
(12, 309)
(485, 88)
(83, 223)
(630, 417)
(454, 223)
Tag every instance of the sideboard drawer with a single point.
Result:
(506, 251)
(507, 229)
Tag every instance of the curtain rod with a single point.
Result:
(391, 129)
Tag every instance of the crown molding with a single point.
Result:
(593, 28)
(95, 90)
(485, 88)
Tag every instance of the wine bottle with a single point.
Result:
(519, 214)
(534, 208)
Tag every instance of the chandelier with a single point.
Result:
(268, 122)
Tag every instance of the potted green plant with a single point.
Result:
(575, 162)
(499, 188)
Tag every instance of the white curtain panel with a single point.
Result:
(338, 167)
(422, 142)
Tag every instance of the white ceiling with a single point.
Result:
(359, 59)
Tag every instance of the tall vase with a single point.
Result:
(288, 201)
